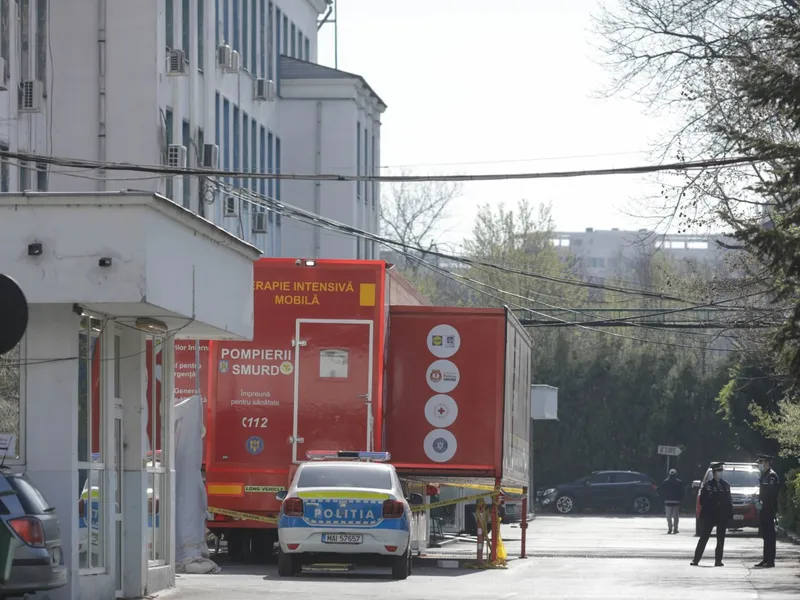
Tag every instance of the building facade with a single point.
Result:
(620, 254)
(223, 84)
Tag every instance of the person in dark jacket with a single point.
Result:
(716, 510)
(671, 491)
(767, 509)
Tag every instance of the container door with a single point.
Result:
(333, 384)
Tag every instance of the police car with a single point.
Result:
(345, 505)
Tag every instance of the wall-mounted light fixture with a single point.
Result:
(151, 325)
(309, 263)
(35, 249)
(104, 262)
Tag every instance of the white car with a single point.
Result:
(345, 505)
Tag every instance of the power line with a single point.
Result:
(635, 170)
(517, 160)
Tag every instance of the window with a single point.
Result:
(169, 23)
(266, 45)
(41, 40)
(5, 32)
(201, 26)
(300, 46)
(41, 177)
(254, 41)
(226, 26)
(168, 140)
(308, 49)
(262, 160)
(11, 381)
(235, 24)
(294, 41)
(154, 459)
(226, 136)
(333, 364)
(245, 36)
(263, 23)
(277, 50)
(285, 35)
(5, 170)
(24, 176)
(254, 154)
(217, 38)
(245, 146)
(186, 137)
(91, 467)
(345, 476)
(358, 160)
(375, 171)
(236, 144)
(24, 40)
(278, 236)
(270, 165)
(185, 44)
(366, 167)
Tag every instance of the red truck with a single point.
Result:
(311, 379)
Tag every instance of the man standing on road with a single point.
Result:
(767, 509)
(671, 490)
(716, 510)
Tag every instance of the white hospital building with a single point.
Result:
(223, 84)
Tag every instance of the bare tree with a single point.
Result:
(414, 215)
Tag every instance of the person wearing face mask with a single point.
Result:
(671, 490)
(767, 509)
(716, 510)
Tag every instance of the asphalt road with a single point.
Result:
(571, 558)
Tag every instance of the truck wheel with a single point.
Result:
(235, 542)
(288, 564)
(401, 565)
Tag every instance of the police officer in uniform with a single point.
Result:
(767, 509)
(716, 510)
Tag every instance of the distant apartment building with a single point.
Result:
(615, 253)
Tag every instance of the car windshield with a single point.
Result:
(357, 475)
(741, 478)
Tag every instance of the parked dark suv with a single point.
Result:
(603, 490)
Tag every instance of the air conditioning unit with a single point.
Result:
(235, 62)
(224, 54)
(210, 156)
(3, 75)
(176, 156)
(230, 206)
(260, 222)
(176, 62)
(264, 90)
(31, 96)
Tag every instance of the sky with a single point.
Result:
(505, 86)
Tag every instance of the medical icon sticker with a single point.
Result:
(443, 341)
(440, 445)
(441, 410)
(442, 376)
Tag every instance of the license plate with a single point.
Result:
(738, 517)
(342, 538)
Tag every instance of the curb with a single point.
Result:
(791, 536)
(436, 562)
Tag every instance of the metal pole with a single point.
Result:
(668, 464)
(524, 525)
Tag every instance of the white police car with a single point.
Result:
(345, 505)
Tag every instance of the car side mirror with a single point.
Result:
(281, 496)
(696, 484)
(416, 499)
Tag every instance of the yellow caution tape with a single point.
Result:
(477, 486)
(244, 516)
(421, 507)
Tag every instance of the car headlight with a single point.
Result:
(551, 492)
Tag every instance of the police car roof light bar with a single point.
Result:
(348, 454)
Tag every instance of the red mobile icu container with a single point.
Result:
(458, 401)
(311, 379)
